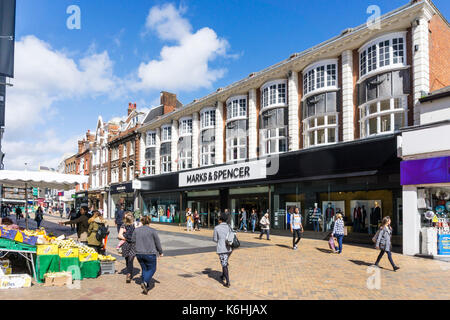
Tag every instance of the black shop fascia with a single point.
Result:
(365, 157)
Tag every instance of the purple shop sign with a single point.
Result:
(425, 171)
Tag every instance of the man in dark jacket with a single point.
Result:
(119, 217)
(82, 225)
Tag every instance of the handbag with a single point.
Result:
(375, 237)
(232, 239)
(345, 231)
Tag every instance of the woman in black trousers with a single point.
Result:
(384, 242)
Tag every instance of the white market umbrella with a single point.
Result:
(40, 179)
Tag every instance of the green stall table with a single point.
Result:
(72, 265)
(90, 269)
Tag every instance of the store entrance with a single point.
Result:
(208, 210)
(258, 202)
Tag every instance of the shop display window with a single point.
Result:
(434, 209)
(162, 207)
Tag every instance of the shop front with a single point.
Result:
(321, 182)
(121, 194)
(426, 194)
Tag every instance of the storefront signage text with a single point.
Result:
(244, 171)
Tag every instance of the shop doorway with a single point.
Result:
(249, 202)
(208, 210)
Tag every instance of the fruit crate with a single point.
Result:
(107, 267)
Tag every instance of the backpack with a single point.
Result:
(232, 239)
(102, 232)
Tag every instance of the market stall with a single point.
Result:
(46, 255)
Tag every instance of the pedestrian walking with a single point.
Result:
(265, 225)
(384, 242)
(243, 220)
(338, 231)
(147, 246)
(39, 216)
(82, 223)
(196, 221)
(128, 247)
(18, 213)
(223, 249)
(253, 219)
(119, 217)
(296, 228)
(95, 237)
(189, 220)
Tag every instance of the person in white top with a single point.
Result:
(296, 228)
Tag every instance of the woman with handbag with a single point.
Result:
(338, 231)
(384, 242)
(265, 225)
(224, 250)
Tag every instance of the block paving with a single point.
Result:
(270, 272)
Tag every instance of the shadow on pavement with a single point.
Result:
(324, 250)
(213, 274)
(284, 246)
(361, 263)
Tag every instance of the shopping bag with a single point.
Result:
(331, 244)
(375, 237)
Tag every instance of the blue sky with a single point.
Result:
(66, 78)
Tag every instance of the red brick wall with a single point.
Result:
(439, 46)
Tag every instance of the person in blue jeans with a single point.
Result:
(338, 230)
(253, 219)
(147, 245)
(243, 220)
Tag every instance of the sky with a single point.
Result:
(129, 51)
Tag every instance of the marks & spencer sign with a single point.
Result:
(225, 174)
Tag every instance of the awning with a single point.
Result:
(39, 179)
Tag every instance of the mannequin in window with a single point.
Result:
(375, 218)
(329, 216)
(317, 215)
(356, 218)
(364, 216)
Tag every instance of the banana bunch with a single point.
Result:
(34, 233)
(106, 258)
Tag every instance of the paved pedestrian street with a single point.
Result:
(259, 269)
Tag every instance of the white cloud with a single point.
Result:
(47, 151)
(44, 79)
(44, 76)
(184, 66)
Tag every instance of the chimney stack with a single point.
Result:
(131, 107)
(169, 101)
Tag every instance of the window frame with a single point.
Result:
(274, 98)
(363, 51)
(365, 116)
(185, 126)
(316, 128)
(206, 122)
(310, 76)
(235, 102)
(166, 133)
